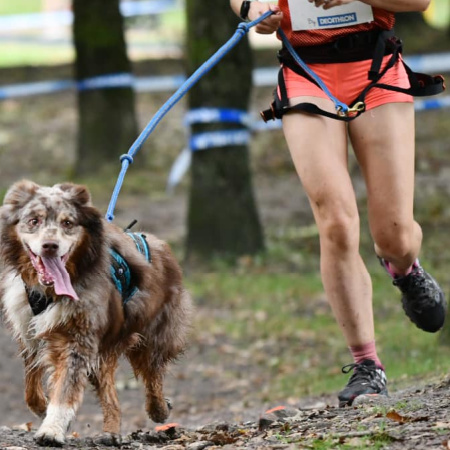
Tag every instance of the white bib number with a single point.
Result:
(306, 16)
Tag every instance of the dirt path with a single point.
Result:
(417, 418)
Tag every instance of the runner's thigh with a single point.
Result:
(318, 147)
(383, 141)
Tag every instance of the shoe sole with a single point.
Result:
(369, 397)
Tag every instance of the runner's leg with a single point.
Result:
(387, 163)
(319, 151)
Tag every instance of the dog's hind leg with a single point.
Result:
(152, 374)
(104, 383)
(34, 392)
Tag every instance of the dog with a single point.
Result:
(78, 292)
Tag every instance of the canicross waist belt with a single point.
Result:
(350, 48)
(372, 45)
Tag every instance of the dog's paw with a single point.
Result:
(159, 412)
(49, 437)
(108, 440)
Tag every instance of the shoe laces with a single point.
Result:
(361, 372)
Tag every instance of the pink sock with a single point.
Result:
(365, 351)
(393, 273)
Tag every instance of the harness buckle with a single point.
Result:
(358, 107)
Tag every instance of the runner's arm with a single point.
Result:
(267, 26)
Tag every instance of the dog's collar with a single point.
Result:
(38, 301)
(120, 270)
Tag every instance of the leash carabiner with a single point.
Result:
(358, 107)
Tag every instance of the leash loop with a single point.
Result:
(127, 159)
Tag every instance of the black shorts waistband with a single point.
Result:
(349, 48)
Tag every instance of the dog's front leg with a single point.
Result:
(34, 393)
(66, 388)
(104, 383)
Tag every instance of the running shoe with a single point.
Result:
(422, 298)
(367, 379)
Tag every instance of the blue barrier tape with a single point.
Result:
(117, 80)
(266, 76)
(36, 88)
(223, 138)
(211, 115)
(204, 141)
(14, 22)
(149, 84)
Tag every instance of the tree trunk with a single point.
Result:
(222, 214)
(107, 124)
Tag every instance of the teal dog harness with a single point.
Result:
(120, 270)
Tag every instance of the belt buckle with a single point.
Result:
(348, 42)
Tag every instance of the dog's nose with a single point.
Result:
(50, 248)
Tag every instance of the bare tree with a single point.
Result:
(107, 124)
(222, 214)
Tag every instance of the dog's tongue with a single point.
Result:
(61, 278)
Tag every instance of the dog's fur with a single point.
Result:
(79, 337)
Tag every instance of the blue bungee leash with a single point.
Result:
(240, 32)
(127, 158)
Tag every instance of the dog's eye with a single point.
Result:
(67, 224)
(33, 222)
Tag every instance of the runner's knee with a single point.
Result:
(395, 242)
(339, 232)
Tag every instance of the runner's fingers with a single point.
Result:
(269, 25)
(263, 28)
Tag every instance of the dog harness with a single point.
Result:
(38, 301)
(120, 270)
(120, 274)
(373, 45)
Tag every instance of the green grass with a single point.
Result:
(20, 6)
(169, 29)
(16, 54)
(304, 349)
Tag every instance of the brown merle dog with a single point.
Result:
(77, 293)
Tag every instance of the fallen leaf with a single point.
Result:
(167, 426)
(24, 426)
(396, 417)
(277, 408)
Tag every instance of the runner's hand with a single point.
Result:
(327, 4)
(269, 25)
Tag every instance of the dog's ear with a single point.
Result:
(18, 195)
(76, 193)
